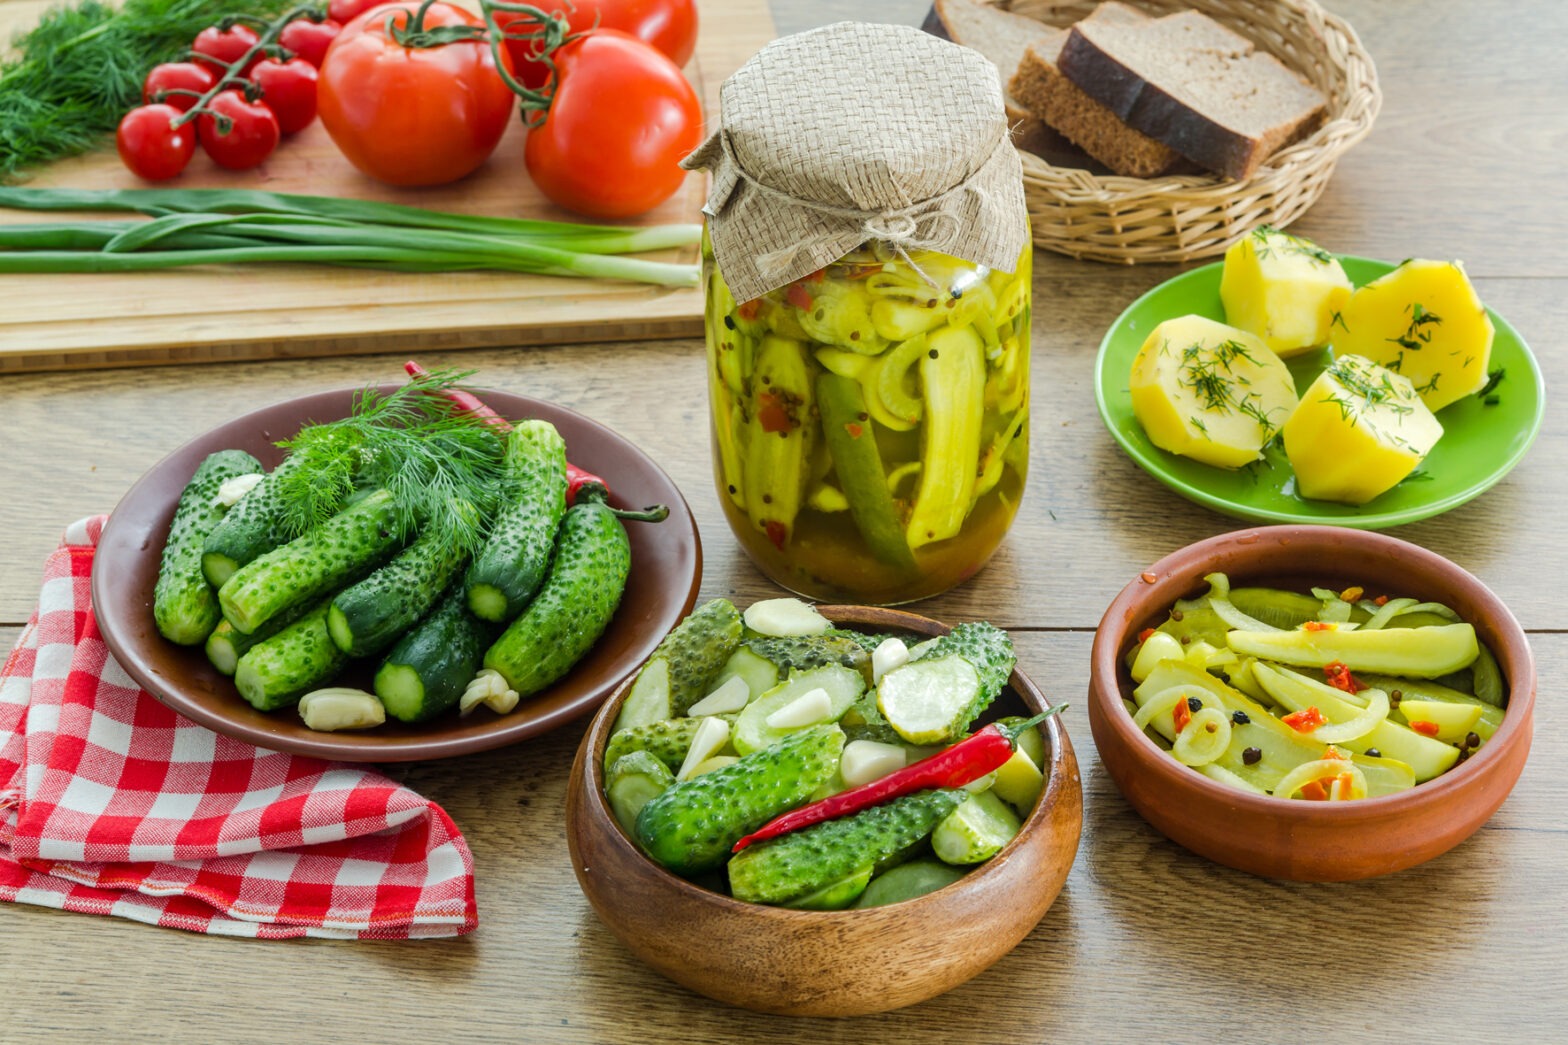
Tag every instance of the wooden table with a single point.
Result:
(1147, 941)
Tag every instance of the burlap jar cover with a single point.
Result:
(858, 132)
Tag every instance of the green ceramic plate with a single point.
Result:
(1480, 443)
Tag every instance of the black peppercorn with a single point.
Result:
(1241, 718)
(1373, 752)
(1472, 740)
(1194, 704)
(1252, 756)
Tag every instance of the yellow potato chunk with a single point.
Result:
(1284, 289)
(1422, 320)
(1210, 392)
(1359, 430)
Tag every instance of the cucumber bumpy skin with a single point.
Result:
(695, 652)
(667, 741)
(432, 664)
(254, 526)
(184, 606)
(580, 594)
(780, 870)
(802, 653)
(358, 538)
(277, 672)
(511, 566)
(369, 616)
(691, 827)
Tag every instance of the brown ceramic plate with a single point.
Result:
(666, 569)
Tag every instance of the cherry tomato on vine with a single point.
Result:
(150, 146)
(669, 25)
(622, 158)
(251, 136)
(408, 113)
(225, 47)
(345, 11)
(310, 40)
(177, 76)
(289, 90)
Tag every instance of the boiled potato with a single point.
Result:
(1209, 391)
(1359, 430)
(1284, 289)
(1422, 320)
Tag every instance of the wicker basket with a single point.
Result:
(1180, 217)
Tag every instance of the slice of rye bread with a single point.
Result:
(1200, 88)
(1003, 38)
(1041, 88)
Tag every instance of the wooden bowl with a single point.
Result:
(1308, 841)
(826, 963)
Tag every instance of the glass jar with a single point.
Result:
(871, 420)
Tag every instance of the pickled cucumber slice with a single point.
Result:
(952, 379)
(928, 701)
(632, 782)
(975, 831)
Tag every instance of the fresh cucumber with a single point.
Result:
(355, 540)
(668, 741)
(369, 616)
(253, 527)
(580, 594)
(792, 866)
(632, 781)
(431, 665)
(691, 827)
(226, 645)
(685, 666)
(184, 606)
(278, 671)
(508, 570)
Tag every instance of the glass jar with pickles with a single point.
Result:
(866, 270)
(871, 420)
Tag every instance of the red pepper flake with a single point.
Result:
(854, 430)
(1305, 720)
(749, 310)
(771, 414)
(777, 532)
(815, 277)
(1181, 714)
(798, 296)
(1353, 594)
(1338, 675)
(1313, 790)
(1148, 577)
(1425, 728)
(1381, 600)
(1341, 787)
(1143, 636)
(1318, 625)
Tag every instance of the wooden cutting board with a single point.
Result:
(58, 322)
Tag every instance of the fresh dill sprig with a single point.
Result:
(80, 69)
(445, 469)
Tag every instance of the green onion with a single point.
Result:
(224, 226)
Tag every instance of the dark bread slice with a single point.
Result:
(1189, 82)
(1044, 91)
(1003, 38)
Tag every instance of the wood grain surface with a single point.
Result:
(1146, 942)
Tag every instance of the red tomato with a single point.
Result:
(249, 139)
(310, 40)
(225, 47)
(177, 76)
(345, 11)
(289, 90)
(669, 25)
(622, 119)
(413, 116)
(151, 146)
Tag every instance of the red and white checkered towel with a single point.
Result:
(110, 803)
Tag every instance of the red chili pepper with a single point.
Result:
(1425, 728)
(1381, 600)
(1305, 720)
(1313, 790)
(1143, 636)
(1181, 714)
(854, 430)
(963, 763)
(777, 532)
(1318, 625)
(577, 479)
(749, 310)
(772, 414)
(798, 296)
(1338, 675)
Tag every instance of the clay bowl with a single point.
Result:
(827, 963)
(1301, 840)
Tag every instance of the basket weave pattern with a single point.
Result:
(1181, 217)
